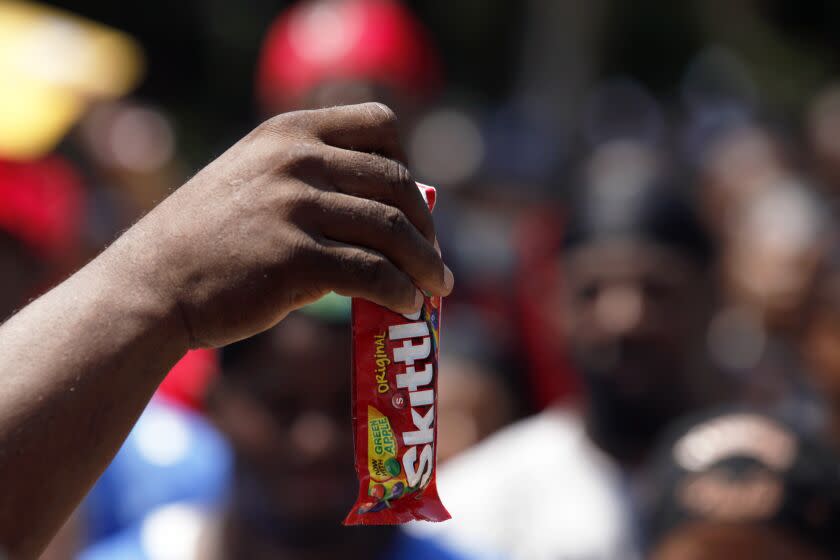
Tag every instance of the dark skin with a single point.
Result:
(283, 406)
(635, 315)
(299, 207)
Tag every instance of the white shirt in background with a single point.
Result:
(537, 490)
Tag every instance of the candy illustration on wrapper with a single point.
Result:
(395, 369)
(393, 466)
(377, 491)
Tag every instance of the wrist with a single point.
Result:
(133, 270)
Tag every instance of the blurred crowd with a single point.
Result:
(641, 358)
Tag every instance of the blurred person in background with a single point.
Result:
(474, 401)
(820, 343)
(475, 393)
(738, 484)
(737, 163)
(822, 130)
(772, 225)
(769, 266)
(293, 479)
(636, 297)
(320, 53)
(773, 252)
(497, 223)
(622, 117)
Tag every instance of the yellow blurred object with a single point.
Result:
(52, 65)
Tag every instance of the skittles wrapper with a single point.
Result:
(395, 371)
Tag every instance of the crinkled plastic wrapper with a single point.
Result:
(395, 374)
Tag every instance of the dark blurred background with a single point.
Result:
(201, 55)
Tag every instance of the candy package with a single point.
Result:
(395, 370)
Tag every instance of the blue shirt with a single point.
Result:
(178, 537)
(171, 455)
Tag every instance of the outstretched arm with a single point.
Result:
(309, 202)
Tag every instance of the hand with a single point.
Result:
(307, 203)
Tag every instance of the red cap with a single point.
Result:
(320, 40)
(41, 204)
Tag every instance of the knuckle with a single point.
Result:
(397, 176)
(381, 277)
(298, 205)
(301, 247)
(276, 124)
(393, 178)
(373, 269)
(294, 124)
(395, 221)
(301, 158)
(307, 254)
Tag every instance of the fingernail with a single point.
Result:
(418, 300)
(448, 279)
(437, 246)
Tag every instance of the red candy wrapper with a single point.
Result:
(395, 372)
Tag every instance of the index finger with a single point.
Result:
(367, 127)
